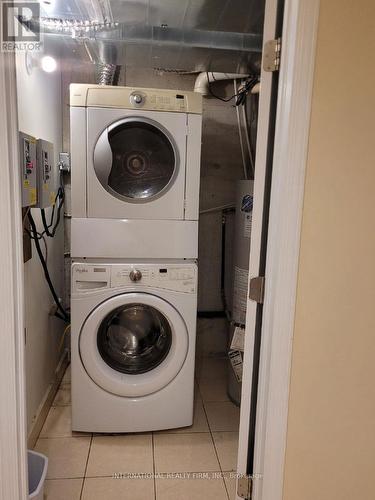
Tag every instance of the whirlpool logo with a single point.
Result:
(80, 270)
(20, 26)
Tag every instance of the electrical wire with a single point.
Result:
(247, 136)
(45, 248)
(240, 135)
(224, 99)
(67, 328)
(61, 197)
(39, 236)
(64, 315)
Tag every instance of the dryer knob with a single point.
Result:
(136, 99)
(135, 275)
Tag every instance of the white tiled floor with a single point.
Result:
(190, 464)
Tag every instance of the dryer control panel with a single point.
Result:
(174, 277)
(106, 96)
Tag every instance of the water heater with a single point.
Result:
(241, 249)
(241, 254)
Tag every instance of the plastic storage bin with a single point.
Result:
(37, 465)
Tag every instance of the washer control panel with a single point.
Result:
(174, 277)
(181, 278)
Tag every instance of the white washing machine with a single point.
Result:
(135, 157)
(133, 346)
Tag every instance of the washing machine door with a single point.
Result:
(133, 344)
(136, 159)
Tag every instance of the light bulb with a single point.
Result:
(48, 64)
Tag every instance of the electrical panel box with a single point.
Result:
(27, 145)
(46, 174)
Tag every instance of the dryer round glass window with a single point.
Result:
(135, 160)
(134, 338)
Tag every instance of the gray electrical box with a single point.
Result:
(46, 174)
(27, 145)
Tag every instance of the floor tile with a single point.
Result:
(59, 423)
(67, 376)
(190, 489)
(213, 390)
(226, 444)
(108, 488)
(199, 423)
(212, 369)
(184, 453)
(212, 336)
(222, 416)
(67, 457)
(63, 489)
(63, 396)
(230, 483)
(120, 454)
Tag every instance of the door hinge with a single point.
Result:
(256, 289)
(272, 55)
(245, 487)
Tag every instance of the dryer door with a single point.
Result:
(133, 344)
(136, 160)
(136, 164)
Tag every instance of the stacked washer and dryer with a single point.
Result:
(135, 157)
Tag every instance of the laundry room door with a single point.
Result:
(246, 474)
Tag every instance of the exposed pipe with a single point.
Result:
(106, 74)
(255, 89)
(204, 79)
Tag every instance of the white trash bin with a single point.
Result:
(37, 465)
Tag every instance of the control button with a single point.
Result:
(135, 275)
(136, 99)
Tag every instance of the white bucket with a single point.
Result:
(37, 465)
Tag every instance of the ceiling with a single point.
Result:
(185, 35)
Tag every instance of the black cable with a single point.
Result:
(58, 315)
(61, 197)
(216, 96)
(240, 95)
(45, 225)
(64, 315)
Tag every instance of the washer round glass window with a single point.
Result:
(144, 160)
(134, 338)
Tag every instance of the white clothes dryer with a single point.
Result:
(135, 156)
(133, 346)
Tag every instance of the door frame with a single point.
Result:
(13, 436)
(300, 28)
(291, 141)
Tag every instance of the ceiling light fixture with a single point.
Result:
(48, 64)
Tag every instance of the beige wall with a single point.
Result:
(331, 428)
